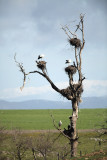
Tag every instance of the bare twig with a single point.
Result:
(66, 32)
(20, 65)
(78, 27)
(76, 57)
(74, 35)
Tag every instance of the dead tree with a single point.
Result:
(42, 146)
(73, 91)
(19, 146)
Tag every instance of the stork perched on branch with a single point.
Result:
(41, 56)
(60, 123)
(68, 61)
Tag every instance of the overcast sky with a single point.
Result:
(33, 27)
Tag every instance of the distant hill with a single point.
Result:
(94, 102)
(88, 102)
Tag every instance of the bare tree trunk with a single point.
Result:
(33, 151)
(74, 145)
(18, 154)
(73, 121)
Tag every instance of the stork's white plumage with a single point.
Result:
(60, 123)
(41, 56)
(68, 61)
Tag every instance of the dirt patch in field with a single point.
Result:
(45, 131)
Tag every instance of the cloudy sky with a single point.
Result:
(33, 27)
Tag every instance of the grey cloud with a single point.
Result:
(27, 26)
(46, 16)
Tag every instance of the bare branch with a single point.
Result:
(83, 42)
(76, 58)
(66, 32)
(59, 128)
(82, 20)
(78, 27)
(74, 35)
(20, 65)
(52, 84)
(24, 81)
(35, 72)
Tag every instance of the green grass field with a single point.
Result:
(41, 119)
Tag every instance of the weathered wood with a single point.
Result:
(74, 145)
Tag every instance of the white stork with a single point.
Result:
(41, 56)
(68, 61)
(60, 123)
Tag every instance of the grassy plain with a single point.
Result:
(41, 119)
(88, 148)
